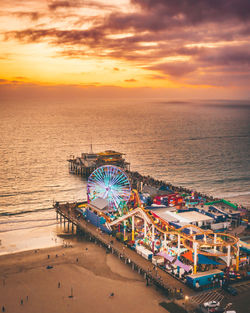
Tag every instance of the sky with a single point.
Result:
(161, 48)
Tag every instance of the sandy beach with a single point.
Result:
(83, 271)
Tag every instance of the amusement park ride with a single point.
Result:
(125, 211)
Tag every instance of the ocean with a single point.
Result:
(202, 145)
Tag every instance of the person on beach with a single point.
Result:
(112, 294)
(3, 308)
(59, 285)
(21, 302)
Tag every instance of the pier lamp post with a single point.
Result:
(228, 255)
(195, 244)
(215, 238)
(153, 238)
(179, 246)
(133, 228)
(145, 229)
(124, 230)
(237, 257)
(186, 301)
(178, 253)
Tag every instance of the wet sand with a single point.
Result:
(84, 271)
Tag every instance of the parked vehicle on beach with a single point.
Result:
(210, 307)
(211, 304)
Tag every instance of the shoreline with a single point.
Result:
(25, 239)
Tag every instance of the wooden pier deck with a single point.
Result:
(66, 213)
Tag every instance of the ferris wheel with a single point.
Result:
(111, 183)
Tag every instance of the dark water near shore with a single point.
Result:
(203, 145)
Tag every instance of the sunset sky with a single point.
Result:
(175, 47)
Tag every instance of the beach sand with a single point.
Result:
(84, 271)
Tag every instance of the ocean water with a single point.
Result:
(203, 145)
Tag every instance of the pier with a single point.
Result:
(150, 234)
(68, 216)
(88, 162)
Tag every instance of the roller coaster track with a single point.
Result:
(192, 237)
(138, 212)
(185, 239)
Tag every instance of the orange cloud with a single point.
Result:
(157, 42)
(131, 80)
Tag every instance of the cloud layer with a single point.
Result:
(205, 42)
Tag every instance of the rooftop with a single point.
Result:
(99, 204)
(226, 209)
(191, 216)
(209, 209)
(109, 153)
(164, 214)
(211, 272)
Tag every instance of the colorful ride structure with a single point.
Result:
(125, 211)
(110, 183)
(191, 237)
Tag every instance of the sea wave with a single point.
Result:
(12, 221)
(234, 194)
(31, 192)
(212, 181)
(27, 227)
(231, 180)
(7, 213)
(216, 137)
(169, 139)
(13, 194)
